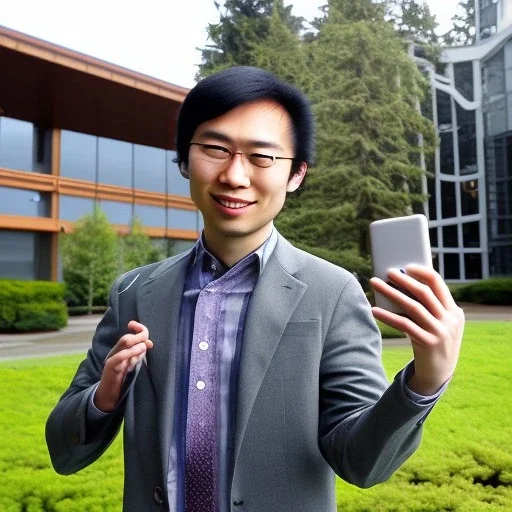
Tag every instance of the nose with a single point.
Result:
(236, 173)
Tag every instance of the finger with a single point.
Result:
(116, 362)
(141, 335)
(411, 307)
(420, 292)
(430, 277)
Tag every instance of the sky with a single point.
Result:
(159, 38)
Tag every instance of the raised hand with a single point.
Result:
(433, 322)
(123, 357)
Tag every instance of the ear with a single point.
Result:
(295, 181)
(184, 170)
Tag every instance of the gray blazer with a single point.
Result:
(312, 396)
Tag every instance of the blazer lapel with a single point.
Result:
(158, 302)
(273, 301)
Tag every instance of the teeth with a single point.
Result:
(230, 204)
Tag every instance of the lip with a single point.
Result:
(231, 206)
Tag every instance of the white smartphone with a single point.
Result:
(395, 243)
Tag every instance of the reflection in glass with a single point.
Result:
(463, 74)
(467, 140)
(116, 212)
(450, 238)
(469, 197)
(150, 216)
(473, 266)
(72, 208)
(471, 234)
(16, 144)
(182, 219)
(115, 162)
(31, 203)
(78, 155)
(446, 152)
(177, 184)
(149, 168)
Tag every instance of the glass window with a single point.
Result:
(450, 236)
(42, 149)
(177, 184)
(25, 255)
(149, 168)
(17, 201)
(500, 261)
(494, 75)
(16, 144)
(150, 216)
(448, 199)
(433, 237)
(444, 110)
(78, 155)
(446, 152)
(115, 162)
(451, 266)
(72, 208)
(469, 197)
(473, 266)
(496, 118)
(463, 74)
(431, 189)
(179, 246)
(116, 212)
(435, 261)
(467, 140)
(182, 219)
(498, 151)
(471, 234)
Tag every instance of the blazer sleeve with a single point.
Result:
(72, 442)
(367, 428)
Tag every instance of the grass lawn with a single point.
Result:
(464, 463)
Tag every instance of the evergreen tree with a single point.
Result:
(89, 257)
(136, 248)
(413, 20)
(242, 25)
(463, 30)
(365, 98)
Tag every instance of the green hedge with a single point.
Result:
(32, 306)
(495, 291)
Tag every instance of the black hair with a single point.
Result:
(219, 93)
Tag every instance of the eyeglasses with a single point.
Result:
(222, 154)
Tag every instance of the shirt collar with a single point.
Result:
(262, 253)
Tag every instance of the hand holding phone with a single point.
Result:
(396, 243)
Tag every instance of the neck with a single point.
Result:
(231, 249)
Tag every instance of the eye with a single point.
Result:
(261, 160)
(214, 151)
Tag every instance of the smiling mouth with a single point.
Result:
(231, 204)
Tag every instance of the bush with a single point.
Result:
(495, 291)
(31, 306)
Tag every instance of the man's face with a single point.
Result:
(238, 199)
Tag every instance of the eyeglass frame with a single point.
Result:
(247, 155)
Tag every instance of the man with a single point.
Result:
(245, 370)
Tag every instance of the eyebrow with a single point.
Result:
(222, 137)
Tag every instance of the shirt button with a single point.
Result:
(213, 267)
(200, 385)
(203, 345)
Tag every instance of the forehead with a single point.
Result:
(262, 120)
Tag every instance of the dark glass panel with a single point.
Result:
(42, 150)
(498, 165)
(176, 183)
(115, 162)
(469, 197)
(149, 168)
(504, 227)
(72, 208)
(78, 156)
(150, 216)
(448, 199)
(471, 234)
(446, 152)
(451, 266)
(25, 255)
(467, 140)
(435, 261)
(496, 118)
(433, 237)
(473, 266)
(431, 188)
(182, 219)
(16, 201)
(500, 260)
(444, 110)
(450, 238)
(463, 74)
(16, 144)
(117, 213)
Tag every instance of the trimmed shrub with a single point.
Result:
(494, 291)
(31, 306)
